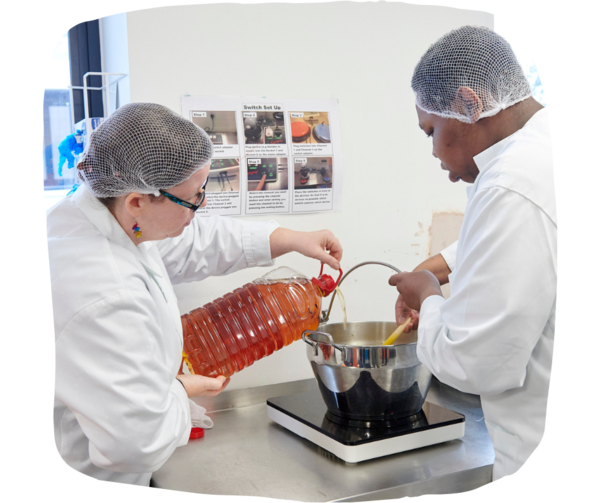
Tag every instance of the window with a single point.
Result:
(57, 118)
(76, 53)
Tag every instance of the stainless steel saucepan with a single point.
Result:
(360, 379)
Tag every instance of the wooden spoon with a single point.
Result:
(396, 333)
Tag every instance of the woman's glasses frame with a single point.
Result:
(193, 207)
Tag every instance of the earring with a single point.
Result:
(136, 230)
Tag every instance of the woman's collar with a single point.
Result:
(107, 224)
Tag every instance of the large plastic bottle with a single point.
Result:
(232, 332)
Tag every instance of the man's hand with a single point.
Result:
(415, 287)
(403, 312)
(404, 308)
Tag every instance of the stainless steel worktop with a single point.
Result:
(247, 454)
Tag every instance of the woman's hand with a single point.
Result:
(310, 244)
(196, 385)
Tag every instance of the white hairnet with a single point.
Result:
(473, 57)
(143, 147)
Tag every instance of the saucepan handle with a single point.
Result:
(315, 343)
(325, 315)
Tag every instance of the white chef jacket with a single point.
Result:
(494, 335)
(119, 412)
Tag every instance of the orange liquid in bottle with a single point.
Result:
(232, 332)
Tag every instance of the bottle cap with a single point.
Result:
(326, 283)
(196, 433)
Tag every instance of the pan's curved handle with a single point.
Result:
(315, 344)
(325, 316)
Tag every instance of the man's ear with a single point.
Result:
(84, 166)
(468, 103)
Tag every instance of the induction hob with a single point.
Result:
(306, 415)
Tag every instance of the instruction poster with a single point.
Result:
(280, 155)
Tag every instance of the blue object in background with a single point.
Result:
(72, 143)
(73, 189)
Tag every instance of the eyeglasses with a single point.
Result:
(193, 207)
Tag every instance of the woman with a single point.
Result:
(116, 247)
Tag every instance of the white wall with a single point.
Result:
(363, 55)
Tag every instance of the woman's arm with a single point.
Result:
(215, 246)
(126, 400)
(320, 245)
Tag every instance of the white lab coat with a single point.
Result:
(494, 335)
(119, 412)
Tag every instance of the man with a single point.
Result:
(494, 335)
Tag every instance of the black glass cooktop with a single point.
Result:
(309, 408)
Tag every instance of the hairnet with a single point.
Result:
(143, 147)
(474, 57)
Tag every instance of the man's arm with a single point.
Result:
(436, 265)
